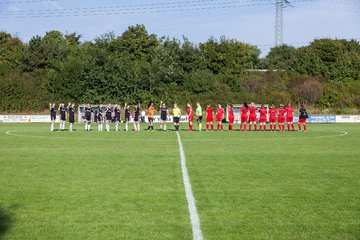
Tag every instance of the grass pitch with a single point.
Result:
(128, 185)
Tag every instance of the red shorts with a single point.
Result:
(218, 119)
(209, 119)
(263, 119)
(244, 118)
(289, 119)
(272, 119)
(302, 120)
(231, 119)
(281, 119)
(191, 117)
(252, 118)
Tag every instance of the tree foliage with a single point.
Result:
(137, 66)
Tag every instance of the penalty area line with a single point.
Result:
(194, 216)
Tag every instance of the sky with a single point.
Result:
(250, 21)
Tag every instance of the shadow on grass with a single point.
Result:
(5, 222)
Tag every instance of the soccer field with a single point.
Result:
(129, 185)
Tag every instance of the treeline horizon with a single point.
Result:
(137, 66)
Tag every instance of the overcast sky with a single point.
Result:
(250, 21)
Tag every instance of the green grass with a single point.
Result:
(127, 185)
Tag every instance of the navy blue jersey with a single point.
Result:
(62, 111)
(163, 111)
(71, 112)
(303, 113)
(117, 112)
(127, 113)
(99, 114)
(108, 111)
(88, 111)
(52, 111)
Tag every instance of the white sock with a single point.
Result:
(138, 126)
(71, 127)
(161, 126)
(52, 127)
(135, 127)
(165, 126)
(127, 126)
(117, 126)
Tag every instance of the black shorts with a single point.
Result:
(63, 118)
(199, 119)
(127, 118)
(117, 118)
(163, 117)
(88, 118)
(71, 119)
(136, 118)
(151, 120)
(100, 118)
(53, 117)
(176, 119)
(108, 117)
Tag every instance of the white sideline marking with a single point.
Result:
(194, 216)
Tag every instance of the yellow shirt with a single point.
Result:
(176, 112)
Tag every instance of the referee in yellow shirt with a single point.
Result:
(176, 116)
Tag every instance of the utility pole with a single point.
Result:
(280, 5)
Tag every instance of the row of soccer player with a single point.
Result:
(247, 115)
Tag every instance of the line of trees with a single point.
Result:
(137, 67)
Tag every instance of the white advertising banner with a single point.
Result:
(26, 118)
(348, 119)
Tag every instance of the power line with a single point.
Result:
(29, 1)
(96, 11)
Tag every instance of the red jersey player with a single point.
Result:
(272, 117)
(209, 117)
(190, 113)
(244, 110)
(281, 117)
(263, 117)
(231, 116)
(290, 117)
(219, 117)
(253, 110)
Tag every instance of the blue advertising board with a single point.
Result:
(318, 119)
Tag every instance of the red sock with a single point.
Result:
(217, 127)
(212, 127)
(250, 126)
(191, 127)
(288, 127)
(255, 126)
(207, 126)
(293, 127)
(231, 127)
(299, 126)
(305, 127)
(265, 127)
(222, 127)
(271, 127)
(260, 127)
(241, 126)
(245, 127)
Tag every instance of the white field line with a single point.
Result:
(194, 216)
(275, 137)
